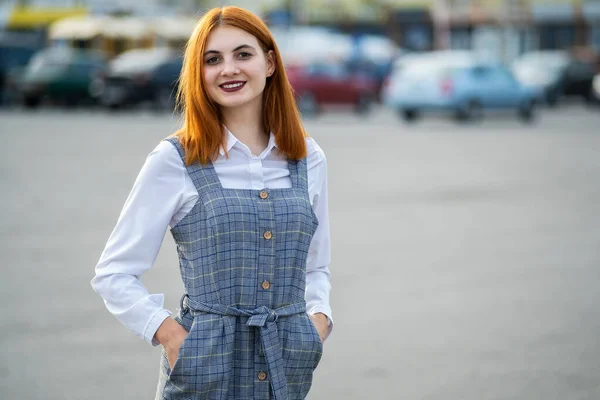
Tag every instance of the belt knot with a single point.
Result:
(261, 316)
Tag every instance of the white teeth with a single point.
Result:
(234, 85)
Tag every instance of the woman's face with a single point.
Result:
(235, 67)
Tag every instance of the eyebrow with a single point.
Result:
(243, 46)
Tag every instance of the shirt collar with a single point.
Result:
(232, 141)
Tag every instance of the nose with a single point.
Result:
(229, 68)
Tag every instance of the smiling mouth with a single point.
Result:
(232, 86)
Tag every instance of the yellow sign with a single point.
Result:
(35, 17)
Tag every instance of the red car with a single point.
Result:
(317, 85)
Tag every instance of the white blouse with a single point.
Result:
(163, 194)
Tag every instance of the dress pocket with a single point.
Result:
(301, 346)
(317, 339)
(316, 334)
(177, 366)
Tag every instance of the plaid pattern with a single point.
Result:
(245, 341)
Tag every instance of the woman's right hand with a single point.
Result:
(170, 335)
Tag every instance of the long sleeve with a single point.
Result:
(318, 285)
(155, 199)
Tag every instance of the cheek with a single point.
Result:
(209, 77)
(259, 72)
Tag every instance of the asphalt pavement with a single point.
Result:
(466, 257)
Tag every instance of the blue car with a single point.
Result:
(456, 82)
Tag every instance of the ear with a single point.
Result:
(270, 63)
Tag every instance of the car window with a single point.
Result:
(481, 72)
(333, 71)
(81, 68)
(139, 60)
(168, 72)
(579, 68)
(504, 76)
(170, 68)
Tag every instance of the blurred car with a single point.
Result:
(320, 84)
(375, 71)
(62, 75)
(578, 78)
(556, 73)
(456, 82)
(544, 70)
(142, 75)
(13, 59)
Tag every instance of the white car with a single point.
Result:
(460, 83)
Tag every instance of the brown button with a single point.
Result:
(268, 235)
(262, 376)
(264, 194)
(266, 285)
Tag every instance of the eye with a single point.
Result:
(212, 60)
(244, 54)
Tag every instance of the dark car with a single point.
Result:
(62, 75)
(322, 84)
(142, 75)
(557, 74)
(376, 71)
(578, 78)
(16, 49)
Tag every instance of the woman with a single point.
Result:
(244, 191)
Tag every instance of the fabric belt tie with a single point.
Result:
(266, 319)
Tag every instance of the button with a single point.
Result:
(266, 285)
(264, 194)
(262, 376)
(268, 235)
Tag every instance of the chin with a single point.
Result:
(234, 103)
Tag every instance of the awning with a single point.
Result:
(82, 28)
(127, 28)
(552, 13)
(174, 28)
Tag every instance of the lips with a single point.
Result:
(232, 86)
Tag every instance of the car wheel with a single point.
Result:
(364, 104)
(472, 111)
(552, 99)
(527, 112)
(409, 115)
(32, 101)
(308, 105)
(588, 98)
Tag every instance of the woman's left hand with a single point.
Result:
(321, 323)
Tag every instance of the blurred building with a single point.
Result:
(503, 28)
(507, 28)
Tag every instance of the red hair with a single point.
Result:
(202, 132)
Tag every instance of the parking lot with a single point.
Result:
(466, 257)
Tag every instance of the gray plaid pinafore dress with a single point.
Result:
(242, 256)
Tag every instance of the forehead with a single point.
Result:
(227, 38)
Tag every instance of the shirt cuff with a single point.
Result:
(327, 312)
(154, 324)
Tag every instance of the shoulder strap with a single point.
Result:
(299, 173)
(204, 177)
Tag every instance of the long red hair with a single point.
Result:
(202, 132)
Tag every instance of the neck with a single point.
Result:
(247, 125)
